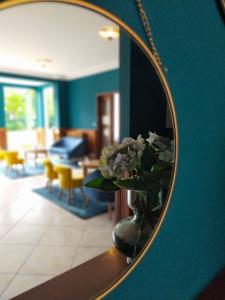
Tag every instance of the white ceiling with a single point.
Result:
(68, 35)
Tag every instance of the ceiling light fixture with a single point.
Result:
(109, 33)
(44, 62)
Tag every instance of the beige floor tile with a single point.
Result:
(49, 260)
(4, 202)
(64, 236)
(10, 216)
(22, 283)
(72, 221)
(26, 219)
(23, 203)
(24, 234)
(4, 228)
(5, 279)
(12, 257)
(44, 205)
(41, 218)
(102, 219)
(57, 217)
(98, 236)
(84, 254)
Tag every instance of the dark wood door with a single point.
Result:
(105, 121)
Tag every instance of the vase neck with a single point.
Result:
(144, 201)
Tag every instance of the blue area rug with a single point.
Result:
(28, 170)
(76, 206)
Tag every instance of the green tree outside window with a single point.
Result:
(20, 108)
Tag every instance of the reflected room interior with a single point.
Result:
(69, 84)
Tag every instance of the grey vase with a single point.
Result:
(131, 234)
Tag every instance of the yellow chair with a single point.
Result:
(12, 159)
(67, 182)
(2, 154)
(50, 173)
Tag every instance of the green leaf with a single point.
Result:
(149, 158)
(102, 184)
(149, 182)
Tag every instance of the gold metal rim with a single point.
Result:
(144, 47)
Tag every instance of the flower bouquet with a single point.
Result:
(143, 166)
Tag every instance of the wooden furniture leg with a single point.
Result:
(6, 170)
(47, 184)
(69, 196)
(50, 186)
(86, 200)
(59, 194)
(110, 210)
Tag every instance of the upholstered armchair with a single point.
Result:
(50, 173)
(68, 182)
(12, 159)
(68, 148)
(2, 154)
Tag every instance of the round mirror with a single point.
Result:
(88, 148)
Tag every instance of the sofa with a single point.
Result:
(69, 148)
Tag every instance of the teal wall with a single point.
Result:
(124, 81)
(62, 104)
(82, 97)
(189, 249)
(2, 113)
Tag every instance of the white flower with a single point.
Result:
(105, 171)
(122, 160)
(165, 155)
(127, 142)
(139, 144)
(123, 163)
(152, 138)
(109, 151)
(139, 154)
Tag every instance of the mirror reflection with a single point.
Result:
(73, 83)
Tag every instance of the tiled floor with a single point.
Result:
(39, 240)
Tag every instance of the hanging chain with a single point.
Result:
(148, 32)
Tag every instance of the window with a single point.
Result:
(20, 108)
(20, 117)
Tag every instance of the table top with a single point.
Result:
(36, 150)
(89, 163)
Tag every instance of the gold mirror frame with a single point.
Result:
(153, 61)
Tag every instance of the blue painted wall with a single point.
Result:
(2, 113)
(124, 80)
(62, 108)
(190, 247)
(82, 97)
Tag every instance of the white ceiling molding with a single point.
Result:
(23, 82)
(94, 70)
(22, 72)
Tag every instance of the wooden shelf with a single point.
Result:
(83, 282)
